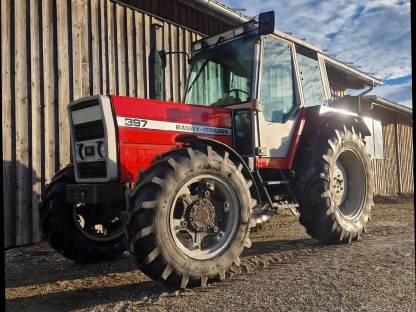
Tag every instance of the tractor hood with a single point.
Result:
(147, 128)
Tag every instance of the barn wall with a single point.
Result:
(405, 152)
(394, 175)
(56, 51)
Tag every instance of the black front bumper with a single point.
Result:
(98, 193)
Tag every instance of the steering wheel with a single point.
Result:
(238, 91)
(229, 100)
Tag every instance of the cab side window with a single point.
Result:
(310, 75)
(277, 89)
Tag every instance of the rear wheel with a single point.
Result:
(335, 185)
(190, 215)
(78, 231)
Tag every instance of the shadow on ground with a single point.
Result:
(69, 276)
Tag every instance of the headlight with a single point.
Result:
(101, 149)
(81, 151)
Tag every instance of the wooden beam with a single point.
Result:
(396, 150)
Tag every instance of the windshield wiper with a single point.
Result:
(203, 66)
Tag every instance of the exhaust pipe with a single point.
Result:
(156, 69)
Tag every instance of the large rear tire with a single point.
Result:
(334, 183)
(189, 218)
(70, 232)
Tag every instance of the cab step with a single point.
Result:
(258, 218)
(292, 207)
(275, 182)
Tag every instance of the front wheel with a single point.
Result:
(335, 185)
(78, 231)
(190, 217)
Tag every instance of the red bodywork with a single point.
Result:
(139, 146)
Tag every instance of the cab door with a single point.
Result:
(280, 102)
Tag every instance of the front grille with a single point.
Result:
(89, 131)
(96, 169)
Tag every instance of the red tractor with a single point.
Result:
(180, 185)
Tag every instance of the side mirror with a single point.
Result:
(266, 23)
(163, 54)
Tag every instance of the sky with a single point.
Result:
(373, 34)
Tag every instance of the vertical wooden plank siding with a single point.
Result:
(181, 64)
(24, 176)
(76, 8)
(37, 132)
(166, 47)
(95, 46)
(130, 54)
(111, 43)
(121, 50)
(390, 165)
(405, 152)
(49, 99)
(85, 48)
(103, 45)
(174, 64)
(386, 175)
(139, 55)
(8, 125)
(147, 25)
(63, 81)
(55, 51)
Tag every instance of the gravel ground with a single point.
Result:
(284, 270)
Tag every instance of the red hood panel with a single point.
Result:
(147, 128)
(170, 111)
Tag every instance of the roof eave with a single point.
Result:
(370, 80)
(388, 104)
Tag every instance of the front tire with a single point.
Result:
(335, 185)
(65, 228)
(190, 193)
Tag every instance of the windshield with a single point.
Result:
(222, 75)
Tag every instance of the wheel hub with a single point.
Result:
(201, 215)
(203, 221)
(339, 183)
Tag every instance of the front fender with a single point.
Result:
(234, 156)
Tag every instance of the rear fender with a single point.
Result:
(324, 117)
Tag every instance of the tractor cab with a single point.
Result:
(265, 80)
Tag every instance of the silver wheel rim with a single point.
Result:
(349, 184)
(95, 231)
(204, 217)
